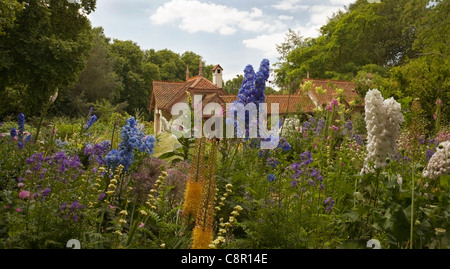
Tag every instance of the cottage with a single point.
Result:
(312, 94)
(165, 94)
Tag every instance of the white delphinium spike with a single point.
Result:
(383, 119)
(439, 163)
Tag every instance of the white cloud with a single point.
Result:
(266, 43)
(285, 18)
(195, 16)
(319, 14)
(290, 5)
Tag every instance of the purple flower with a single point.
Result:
(101, 196)
(272, 162)
(428, 154)
(320, 126)
(283, 144)
(358, 139)
(13, 132)
(46, 192)
(329, 202)
(348, 126)
(89, 123)
(271, 177)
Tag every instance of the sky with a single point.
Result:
(232, 33)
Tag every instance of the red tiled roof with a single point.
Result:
(286, 103)
(217, 66)
(165, 94)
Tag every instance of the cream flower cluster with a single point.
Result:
(439, 163)
(383, 119)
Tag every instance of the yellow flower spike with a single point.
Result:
(109, 192)
(143, 212)
(123, 212)
(163, 245)
(238, 207)
(111, 186)
(202, 237)
(193, 196)
(113, 181)
(122, 221)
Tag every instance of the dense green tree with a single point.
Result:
(172, 66)
(129, 59)
(398, 46)
(46, 49)
(98, 81)
(8, 10)
(427, 75)
(365, 33)
(233, 85)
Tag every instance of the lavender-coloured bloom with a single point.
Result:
(320, 126)
(429, 154)
(46, 192)
(272, 162)
(358, 139)
(101, 196)
(306, 157)
(329, 202)
(306, 126)
(348, 126)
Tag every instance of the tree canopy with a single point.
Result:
(398, 46)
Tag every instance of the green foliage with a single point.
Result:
(45, 50)
(8, 9)
(398, 47)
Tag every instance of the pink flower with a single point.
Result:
(20, 185)
(7, 207)
(434, 116)
(18, 209)
(334, 102)
(328, 138)
(438, 102)
(24, 195)
(334, 127)
(141, 225)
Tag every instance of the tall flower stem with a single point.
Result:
(47, 106)
(412, 208)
